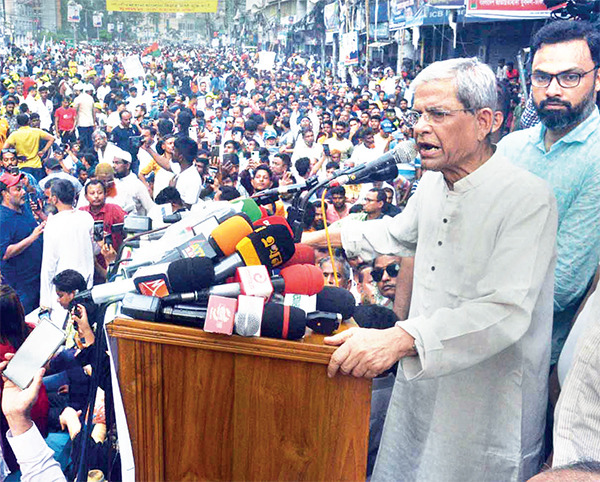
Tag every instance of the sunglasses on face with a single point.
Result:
(391, 269)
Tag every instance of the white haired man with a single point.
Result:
(469, 401)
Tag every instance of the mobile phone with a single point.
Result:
(34, 353)
(98, 230)
(326, 150)
(255, 156)
(108, 240)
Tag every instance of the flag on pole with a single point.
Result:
(152, 50)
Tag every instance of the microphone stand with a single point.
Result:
(295, 216)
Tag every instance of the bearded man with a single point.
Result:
(563, 150)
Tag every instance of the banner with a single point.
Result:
(349, 48)
(73, 13)
(163, 6)
(331, 17)
(515, 9)
(97, 19)
(133, 67)
(110, 27)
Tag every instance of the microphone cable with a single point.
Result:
(329, 247)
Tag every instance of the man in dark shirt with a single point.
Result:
(121, 136)
(20, 243)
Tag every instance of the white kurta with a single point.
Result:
(471, 406)
(67, 245)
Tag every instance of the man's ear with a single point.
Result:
(486, 121)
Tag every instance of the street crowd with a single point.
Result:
(482, 250)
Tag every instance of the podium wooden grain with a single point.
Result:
(206, 407)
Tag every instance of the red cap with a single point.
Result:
(10, 180)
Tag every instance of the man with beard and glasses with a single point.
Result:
(563, 150)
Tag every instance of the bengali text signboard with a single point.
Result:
(507, 8)
(163, 6)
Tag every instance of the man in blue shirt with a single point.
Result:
(20, 243)
(563, 150)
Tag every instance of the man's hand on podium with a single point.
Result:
(368, 352)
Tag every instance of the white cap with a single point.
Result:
(123, 155)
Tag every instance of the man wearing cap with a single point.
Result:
(26, 141)
(20, 242)
(384, 136)
(54, 171)
(132, 195)
(86, 116)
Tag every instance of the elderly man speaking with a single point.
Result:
(469, 401)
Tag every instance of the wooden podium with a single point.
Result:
(211, 407)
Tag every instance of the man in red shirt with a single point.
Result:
(65, 121)
(109, 214)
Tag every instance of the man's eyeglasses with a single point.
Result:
(567, 80)
(430, 116)
(391, 269)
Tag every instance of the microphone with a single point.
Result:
(269, 196)
(277, 321)
(299, 279)
(156, 280)
(220, 243)
(303, 254)
(247, 206)
(336, 300)
(269, 245)
(271, 220)
(404, 152)
(374, 316)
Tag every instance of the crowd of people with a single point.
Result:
(483, 254)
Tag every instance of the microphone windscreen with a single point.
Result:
(283, 322)
(190, 274)
(230, 232)
(336, 300)
(269, 245)
(271, 220)
(374, 316)
(303, 279)
(303, 254)
(405, 152)
(249, 207)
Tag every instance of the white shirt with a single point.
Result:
(35, 458)
(67, 245)
(108, 154)
(302, 150)
(472, 404)
(45, 112)
(577, 414)
(363, 154)
(189, 184)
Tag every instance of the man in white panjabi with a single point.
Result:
(469, 402)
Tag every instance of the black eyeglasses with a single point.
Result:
(391, 269)
(567, 80)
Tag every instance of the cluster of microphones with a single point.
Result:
(228, 268)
